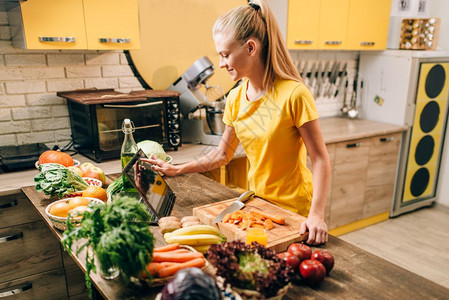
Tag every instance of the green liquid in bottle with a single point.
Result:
(125, 159)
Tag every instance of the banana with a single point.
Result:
(195, 229)
(194, 240)
(202, 248)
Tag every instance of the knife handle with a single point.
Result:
(246, 196)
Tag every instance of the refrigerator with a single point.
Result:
(409, 88)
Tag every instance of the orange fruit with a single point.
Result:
(96, 192)
(60, 209)
(78, 211)
(78, 201)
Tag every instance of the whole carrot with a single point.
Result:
(152, 268)
(176, 257)
(165, 248)
(194, 263)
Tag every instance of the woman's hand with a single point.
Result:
(159, 165)
(317, 230)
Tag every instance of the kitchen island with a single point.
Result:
(357, 274)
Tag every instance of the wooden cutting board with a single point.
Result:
(279, 237)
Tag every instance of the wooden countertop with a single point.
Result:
(357, 274)
(334, 130)
(342, 129)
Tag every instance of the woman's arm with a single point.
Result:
(316, 148)
(214, 159)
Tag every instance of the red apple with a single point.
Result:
(302, 251)
(292, 260)
(325, 257)
(312, 271)
(95, 172)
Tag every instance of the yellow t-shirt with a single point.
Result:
(268, 131)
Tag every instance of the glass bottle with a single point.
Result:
(129, 148)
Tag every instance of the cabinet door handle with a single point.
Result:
(303, 42)
(16, 290)
(64, 39)
(386, 139)
(9, 204)
(367, 43)
(16, 236)
(332, 42)
(115, 40)
(355, 145)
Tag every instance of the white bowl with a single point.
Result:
(75, 163)
(60, 222)
(93, 181)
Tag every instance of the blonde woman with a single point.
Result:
(272, 114)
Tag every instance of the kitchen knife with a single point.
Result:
(235, 206)
(333, 79)
(316, 81)
(340, 82)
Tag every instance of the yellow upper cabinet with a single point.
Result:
(368, 24)
(79, 24)
(49, 24)
(333, 23)
(338, 24)
(302, 24)
(112, 24)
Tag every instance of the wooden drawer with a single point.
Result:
(348, 181)
(47, 285)
(16, 209)
(76, 283)
(381, 174)
(28, 249)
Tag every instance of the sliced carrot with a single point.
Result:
(165, 248)
(268, 223)
(176, 257)
(274, 218)
(197, 262)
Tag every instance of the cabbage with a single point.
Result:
(151, 147)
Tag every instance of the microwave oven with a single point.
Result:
(96, 118)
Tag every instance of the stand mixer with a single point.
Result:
(197, 127)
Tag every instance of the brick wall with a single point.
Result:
(30, 111)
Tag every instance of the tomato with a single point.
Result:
(312, 271)
(302, 251)
(292, 260)
(325, 257)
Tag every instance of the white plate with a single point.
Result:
(76, 163)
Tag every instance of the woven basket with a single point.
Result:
(255, 295)
(60, 222)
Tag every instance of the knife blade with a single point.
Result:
(235, 206)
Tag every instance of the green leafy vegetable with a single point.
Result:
(118, 233)
(56, 180)
(150, 147)
(115, 187)
(250, 267)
